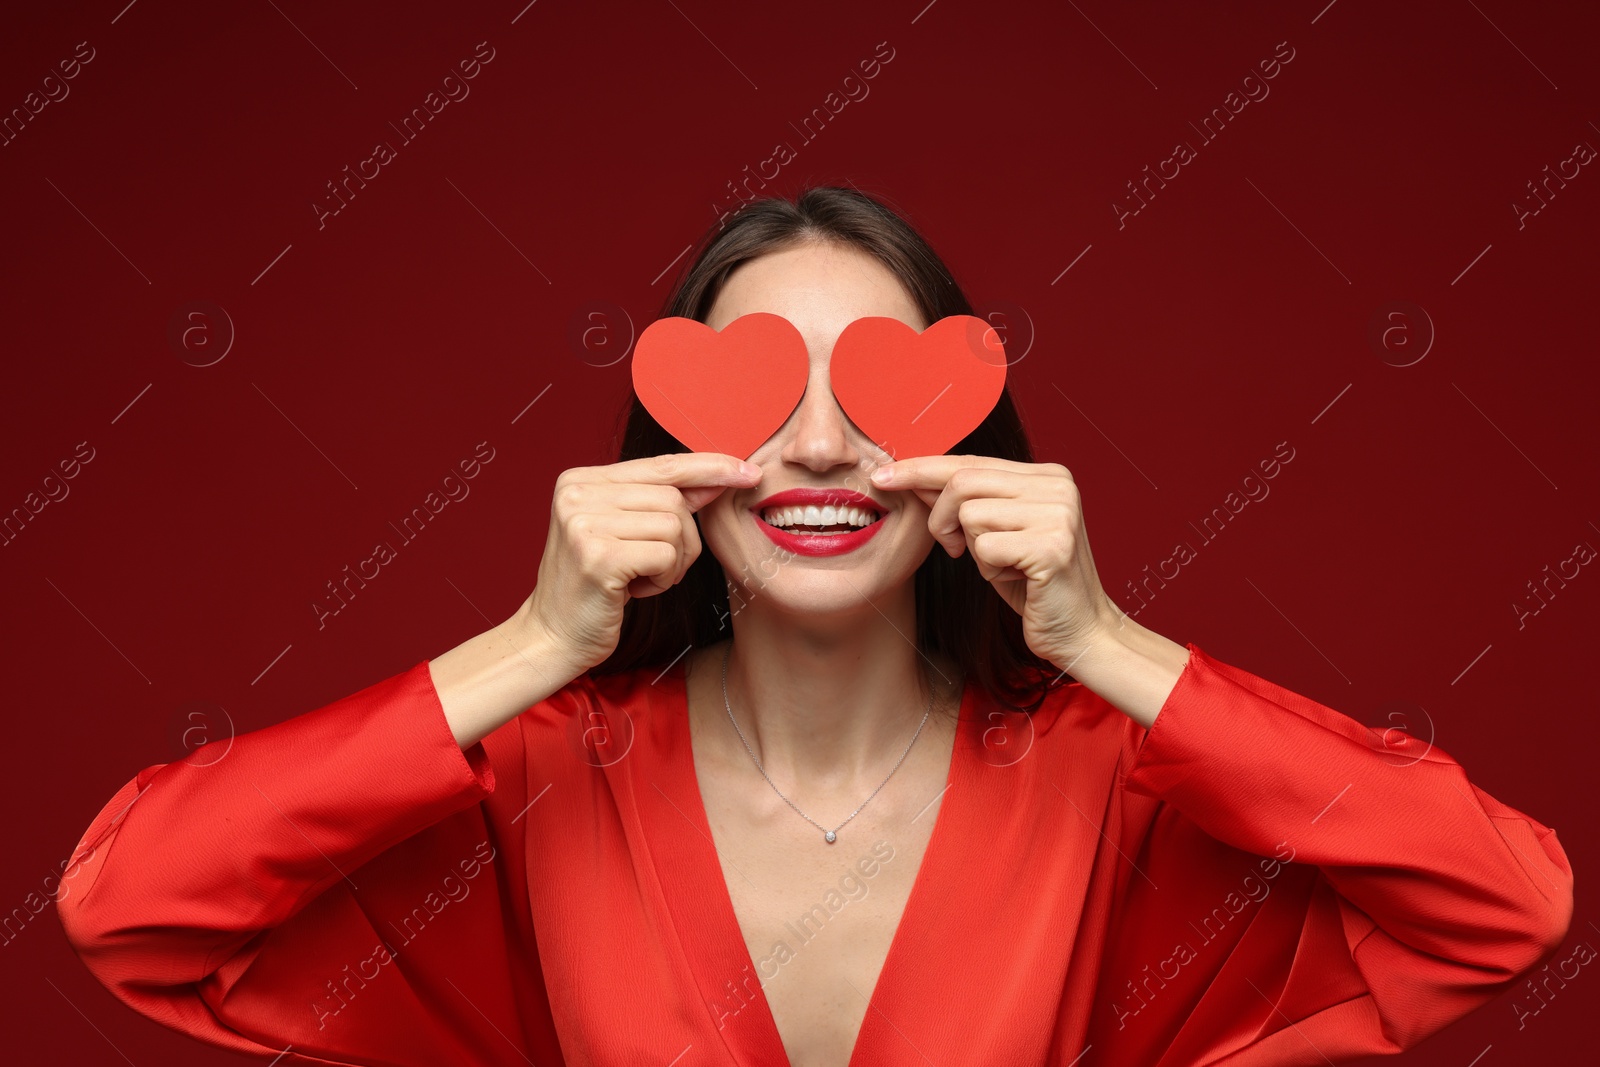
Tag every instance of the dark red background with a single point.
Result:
(1175, 354)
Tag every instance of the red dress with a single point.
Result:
(1256, 879)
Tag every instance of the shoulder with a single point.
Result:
(1074, 708)
(1073, 727)
(590, 722)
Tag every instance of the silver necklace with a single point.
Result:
(830, 836)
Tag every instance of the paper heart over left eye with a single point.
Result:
(918, 394)
(721, 392)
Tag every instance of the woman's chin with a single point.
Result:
(799, 608)
(819, 588)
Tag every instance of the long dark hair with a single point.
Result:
(959, 614)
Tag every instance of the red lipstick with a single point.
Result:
(819, 544)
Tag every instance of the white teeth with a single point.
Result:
(815, 516)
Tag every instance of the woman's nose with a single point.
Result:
(819, 434)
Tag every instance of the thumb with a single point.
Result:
(645, 586)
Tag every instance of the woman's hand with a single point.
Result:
(619, 531)
(1023, 524)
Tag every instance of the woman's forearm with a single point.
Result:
(1131, 667)
(491, 678)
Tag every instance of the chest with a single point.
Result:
(818, 919)
(687, 916)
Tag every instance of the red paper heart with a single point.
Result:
(721, 392)
(918, 394)
(913, 394)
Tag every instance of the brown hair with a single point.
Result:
(959, 614)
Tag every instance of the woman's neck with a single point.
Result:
(829, 702)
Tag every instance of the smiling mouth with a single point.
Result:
(812, 521)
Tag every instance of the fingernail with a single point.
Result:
(883, 474)
(749, 470)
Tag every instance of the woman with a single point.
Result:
(765, 804)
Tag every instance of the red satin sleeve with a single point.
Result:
(329, 884)
(1308, 888)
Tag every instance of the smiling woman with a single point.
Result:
(1034, 902)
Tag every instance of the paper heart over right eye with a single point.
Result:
(721, 392)
(918, 394)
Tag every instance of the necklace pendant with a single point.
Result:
(830, 837)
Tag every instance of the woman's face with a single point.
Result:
(820, 288)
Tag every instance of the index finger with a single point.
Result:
(932, 472)
(684, 469)
(702, 476)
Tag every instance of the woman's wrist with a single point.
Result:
(1131, 667)
(492, 677)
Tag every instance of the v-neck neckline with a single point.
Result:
(678, 837)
